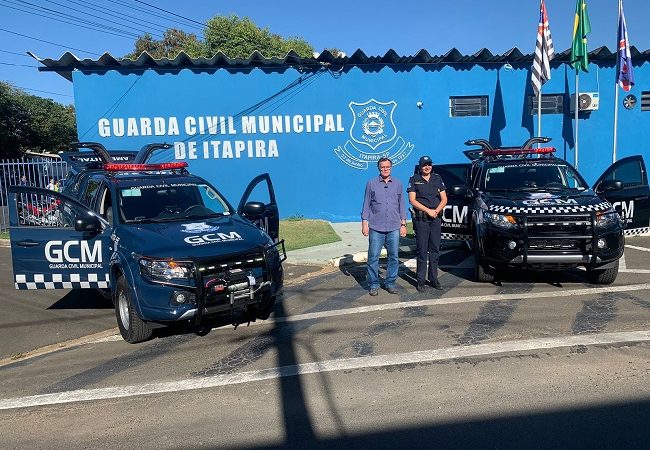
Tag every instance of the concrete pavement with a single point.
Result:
(352, 248)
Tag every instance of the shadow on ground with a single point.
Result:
(611, 426)
(83, 299)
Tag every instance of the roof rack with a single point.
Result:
(146, 151)
(100, 159)
(526, 150)
(94, 159)
(518, 151)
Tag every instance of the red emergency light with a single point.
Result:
(113, 167)
(520, 151)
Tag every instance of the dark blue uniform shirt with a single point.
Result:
(427, 192)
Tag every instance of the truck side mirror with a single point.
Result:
(254, 209)
(88, 223)
(460, 190)
(609, 186)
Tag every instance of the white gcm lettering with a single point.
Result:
(213, 237)
(58, 252)
(625, 209)
(458, 214)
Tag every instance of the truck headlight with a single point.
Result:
(500, 220)
(164, 269)
(606, 219)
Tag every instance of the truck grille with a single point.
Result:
(559, 225)
(242, 261)
(554, 244)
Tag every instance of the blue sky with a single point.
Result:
(405, 26)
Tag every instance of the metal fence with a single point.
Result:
(33, 171)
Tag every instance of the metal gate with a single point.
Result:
(33, 171)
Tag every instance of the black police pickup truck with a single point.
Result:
(522, 207)
(163, 243)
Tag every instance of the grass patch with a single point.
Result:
(302, 233)
(409, 230)
(4, 235)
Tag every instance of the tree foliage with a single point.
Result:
(28, 122)
(169, 46)
(234, 36)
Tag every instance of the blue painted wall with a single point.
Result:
(307, 167)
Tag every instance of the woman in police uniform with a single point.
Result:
(428, 198)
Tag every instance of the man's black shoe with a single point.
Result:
(391, 290)
(421, 288)
(374, 292)
(437, 286)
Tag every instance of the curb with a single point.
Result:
(362, 257)
(5, 243)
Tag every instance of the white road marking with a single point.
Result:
(325, 366)
(623, 264)
(441, 301)
(469, 299)
(643, 249)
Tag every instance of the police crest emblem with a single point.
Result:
(373, 135)
(200, 227)
(372, 123)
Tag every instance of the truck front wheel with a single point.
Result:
(603, 276)
(132, 328)
(482, 272)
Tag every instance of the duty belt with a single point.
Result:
(420, 215)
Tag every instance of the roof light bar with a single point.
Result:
(144, 167)
(520, 151)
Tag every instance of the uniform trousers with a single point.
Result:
(427, 240)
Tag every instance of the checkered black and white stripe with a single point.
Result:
(564, 209)
(456, 237)
(637, 231)
(62, 281)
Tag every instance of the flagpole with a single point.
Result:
(539, 114)
(618, 58)
(576, 119)
(615, 122)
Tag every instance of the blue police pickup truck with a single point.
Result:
(164, 244)
(521, 207)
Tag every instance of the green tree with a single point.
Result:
(234, 36)
(13, 123)
(28, 122)
(173, 41)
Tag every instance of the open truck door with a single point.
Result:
(56, 242)
(262, 210)
(625, 185)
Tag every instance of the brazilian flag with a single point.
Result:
(579, 58)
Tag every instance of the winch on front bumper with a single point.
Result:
(241, 286)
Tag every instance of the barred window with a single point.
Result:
(551, 104)
(468, 106)
(645, 101)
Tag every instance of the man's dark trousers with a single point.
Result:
(427, 239)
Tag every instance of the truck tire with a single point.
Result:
(606, 276)
(132, 328)
(482, 273)
(266, 307)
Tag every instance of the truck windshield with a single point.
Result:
(162, 203)
(516, 177)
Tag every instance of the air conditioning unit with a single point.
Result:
(587, 101)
